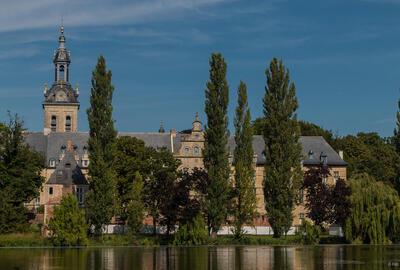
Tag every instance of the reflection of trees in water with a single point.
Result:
(203, 258)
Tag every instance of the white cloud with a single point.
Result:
(18, 53)
(24, 14)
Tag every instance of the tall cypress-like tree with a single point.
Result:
(216, 139)
(396, 140)
(396, 136)
(100, 198)
(243, 161)
(282, 148)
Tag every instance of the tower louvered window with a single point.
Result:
(53, 123)
(68, 123)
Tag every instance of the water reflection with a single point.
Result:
(199, 258)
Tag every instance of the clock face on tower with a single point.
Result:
(61, 96)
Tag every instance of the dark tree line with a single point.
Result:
(20, 176)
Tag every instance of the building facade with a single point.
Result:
(66, 151)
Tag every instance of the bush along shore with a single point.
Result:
(36, 240)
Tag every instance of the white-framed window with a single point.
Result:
(187, 150)
(85, 163)
(52, 162)
(301, 217)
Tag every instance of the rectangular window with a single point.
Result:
(53, 123)
(80, 195)
(68, 123)
(50, 190)
(301, 196)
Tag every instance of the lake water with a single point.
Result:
(198, 258)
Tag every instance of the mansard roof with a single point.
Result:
(51, 144)
(61, 93)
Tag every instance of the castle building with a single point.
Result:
(66, 151)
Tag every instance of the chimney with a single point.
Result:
(172, 135)
(69, 145)
(341, 154)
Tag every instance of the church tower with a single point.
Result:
(61, 103)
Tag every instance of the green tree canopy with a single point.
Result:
(131, 157)
(244, 192)
(160, 189)
(135, 209)
(216, 139)
(375, 211)
(68, 226)
(100, 200)
(369, 153)
(282, 148)
(20, 175)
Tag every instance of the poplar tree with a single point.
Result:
(396, 137)
(215, 148)
(243, 161)
(396, 140)
(100, 198)
(282, 148)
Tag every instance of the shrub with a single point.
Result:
(310, 233)
(193, 233)
(68, 226)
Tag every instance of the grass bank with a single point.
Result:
(36, 240)
(31, 239)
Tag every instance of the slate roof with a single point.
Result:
(51, 145)
(61, 86)
(67, 172)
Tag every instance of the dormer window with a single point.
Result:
(85, 150)
(68, 123)
(53, 123)
(52, 162)
(85, 163)
(323, 158)
(310, 154)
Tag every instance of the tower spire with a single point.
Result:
(61, 39)
(161, 129)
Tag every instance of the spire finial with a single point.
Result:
(196, 118)
(161, 129)
(61, 39)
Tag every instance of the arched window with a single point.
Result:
(196, 150)
(61, 73)
(52, 162)
(68, 123)
(187, 150)
(53, 123)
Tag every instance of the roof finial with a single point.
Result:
(161, 129)
(197, 117)
(61, 39)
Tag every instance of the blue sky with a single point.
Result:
(343, 55)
